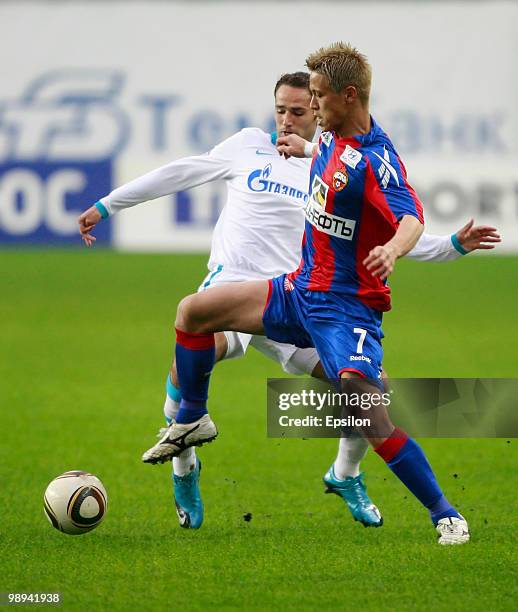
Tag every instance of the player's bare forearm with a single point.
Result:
(406, 236)
(381, 260)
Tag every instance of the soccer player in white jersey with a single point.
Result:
(258, 236)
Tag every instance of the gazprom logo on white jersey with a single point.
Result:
(258, 181)
(57, 144)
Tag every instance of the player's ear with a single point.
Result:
(349, 93)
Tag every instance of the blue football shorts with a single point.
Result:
(346, 333)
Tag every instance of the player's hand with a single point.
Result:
(381, 260)
(473, 237)
(291, 145)
(87, 221)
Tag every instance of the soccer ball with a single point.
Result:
(75, 502)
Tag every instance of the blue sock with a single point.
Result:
(195, 355)
(442, 509)
(409, 463)
(190, 411)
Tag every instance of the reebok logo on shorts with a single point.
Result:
(360, 358)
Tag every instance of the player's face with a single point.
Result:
(328, 106)
(292, 112)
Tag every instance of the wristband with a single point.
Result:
(102, 209)
(458, 246)
(308, 149)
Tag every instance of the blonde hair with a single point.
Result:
(343, 65)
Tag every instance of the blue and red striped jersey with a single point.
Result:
(358, 194)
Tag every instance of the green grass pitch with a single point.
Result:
(86, 342)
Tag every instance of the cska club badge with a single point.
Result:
(340, 179)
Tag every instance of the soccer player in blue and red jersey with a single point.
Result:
(361, 216)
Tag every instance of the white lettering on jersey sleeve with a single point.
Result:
(176, 176)
(434, 248)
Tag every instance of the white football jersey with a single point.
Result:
(260, 228)
(259, 232)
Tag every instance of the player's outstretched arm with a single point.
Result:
(292, 145)
(471, 237)
(381, 260)
(178, 175)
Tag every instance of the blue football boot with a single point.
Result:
(187, 498)
(354, 492)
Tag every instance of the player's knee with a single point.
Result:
(365, 402)
(182, 314)
(190, 315)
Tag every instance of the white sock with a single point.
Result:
(170, 409)
(186, 460)
(350, 452)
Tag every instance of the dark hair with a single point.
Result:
(293, 79)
